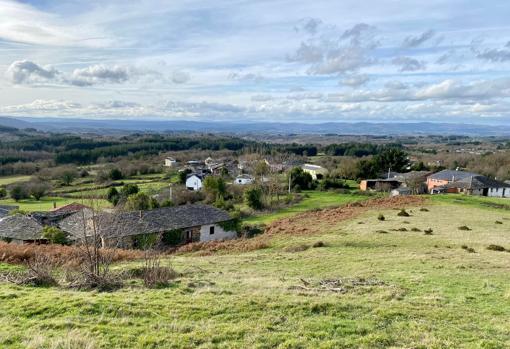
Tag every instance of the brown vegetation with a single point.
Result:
(240, 245)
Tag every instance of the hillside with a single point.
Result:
(368, 283)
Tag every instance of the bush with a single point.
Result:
(428, 231)
(167, 203)
(381, 217)
(113, 196)
(249, 231)
(3, 193)
(498, 222)
(296, 248)
(415, 229)
(464, 227)
(138, 202)
(153, 274)
(403, 213)
(39, 273)
(423, 209)
(172, 237)
(19, 192)
(496, 248)
(129, 189)
(115, 174)
(319, 244)
(54, 235)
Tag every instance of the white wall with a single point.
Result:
(194, 182)
(243, 181)
(219, 233)
(499, 192)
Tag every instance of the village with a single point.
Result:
(210, 200)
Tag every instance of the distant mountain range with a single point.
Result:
(106, 126)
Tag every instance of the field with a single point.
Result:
(373, 285)
(312, 200)
(13, 179)
(46, 203)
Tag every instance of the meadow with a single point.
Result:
(369, 283)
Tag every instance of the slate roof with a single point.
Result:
(70, 208)
(477, 182)
(20, 227)
(6, 209)
(145, 222)
(452, 175)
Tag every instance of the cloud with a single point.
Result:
(30, 73)
(99, 74)
(180, 77)
(246, 77)
(332, 52)
(309, 25)
(355, 80)
(262, 98)
(415, 41)
(495, 55)
(303, 96)
(27, 72)
(408, 64)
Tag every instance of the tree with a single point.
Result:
(54, 235)
(129, 189)
(215, 187)
(253, 198)
(3, 193)
(18, 192)
(113, 196)
(67, 176)
(38, 189)
(261, 169)
(115, 174)
(300, 179)
(391, 158)
(138, 202)
(183, 175)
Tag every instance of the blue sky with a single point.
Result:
(306, 61)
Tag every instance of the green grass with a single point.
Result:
(312, 200)
(46, 203)
(472, 200)
(433, 294)
(13, 179)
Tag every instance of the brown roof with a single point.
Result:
(70, 208)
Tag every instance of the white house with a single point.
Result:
(317, 172)
(244, 179)
(170, 162)
(194, 181)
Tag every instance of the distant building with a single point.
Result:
(244, 179)
(317, 172)
(170, 162)
(445, 177)
(21, 229)
(379, 184)
(194, 181)
(476, 185)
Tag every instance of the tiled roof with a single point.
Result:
(477, 182)
(20, 227)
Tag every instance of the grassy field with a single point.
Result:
(477, 201)
(402, 289)
(312, 200)
(13, 179)
(46, 203)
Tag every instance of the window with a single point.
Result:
(211, 230)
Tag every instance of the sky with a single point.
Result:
(258, 60)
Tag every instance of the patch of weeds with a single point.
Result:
(496, 248)
(381, 232)
(361, 222)
(400, 229)
(428, 231)
(403, 213)
(464, 227)
(415, 229)
(498, 222)
(406, 222)
(319, 244)
(423, 209)
(468, 249)
(296, 248)
(381, 217)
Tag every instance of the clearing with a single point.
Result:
(374, 284)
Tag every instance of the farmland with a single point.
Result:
(371, 285)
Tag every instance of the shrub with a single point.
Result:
(381, 217)
(253, 198)
(167, 203)
(113, 196)
(172, 237)
(296, 248)
(319, 244)
(403, 213)
(499, 222)
(139, 201)
(3, 193)
(470, 250)
(19, 192)
(496, 248)
(464, 227)
(428, 231)
(39, 273)
(249, 231)
(153, 274)
(423, 209)
(381, 232)
(129, 189)
(54, 235)
(415, 229)
(115, 174)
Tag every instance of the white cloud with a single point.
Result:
(180, 77)
(99, 74)
(355, 80)
(26, 72)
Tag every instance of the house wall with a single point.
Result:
(432, 183)
(169, 163)
(219, 233)
(243, 181)
(194, 183)
(499, 192)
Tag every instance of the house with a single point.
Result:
(194, 181)
(169, 225)
(445, 177)
(317, 172)
(5, 210)
(244, 179)
(53, 217)
(21, 229)
(379, 184)
(170, 162)
(414, 180)
(476, 185)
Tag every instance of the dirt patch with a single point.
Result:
(312, 222)
(340, 285)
